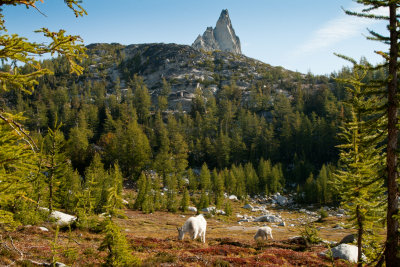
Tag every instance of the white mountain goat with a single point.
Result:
(195, 226)
(264, 232)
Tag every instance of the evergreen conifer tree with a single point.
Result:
(386, 88)
(185, 200)
(193, 184)
(142, 191)
(56, 163)
(358, 180)
(172, 185)
(205, 178)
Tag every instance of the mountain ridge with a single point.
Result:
(186, 69)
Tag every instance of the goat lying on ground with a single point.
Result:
(264, 232)
(195, 226)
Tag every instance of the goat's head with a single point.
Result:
(180, 233)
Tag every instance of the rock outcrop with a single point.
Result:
(222, 37)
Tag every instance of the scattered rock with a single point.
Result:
(183, 216)
(268, 218)
(248, 207)
(125, 202)
(281, 200)
(338, 227)
(351, 238)
(209, 209)
(282, 224)
(220, 212)
(44, 229)
(194, 209)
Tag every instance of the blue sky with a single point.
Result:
(298, 35)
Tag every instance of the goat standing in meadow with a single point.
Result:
(264, 232)
(195, 226)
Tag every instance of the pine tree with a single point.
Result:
(163, 163)
(17, 164)
(263, 170)
(390, 102)
(310, 189)
(323, 191)
(172, 202)
(20, 51)
(228, 208)
(276, 179)
(142, 191)
(252, 183)
(203, 201)
(96, 180)
(193, 184)
(132, 150)
(358, 180)
(205, 178)
(114, 242)
(70, 187)
(141, 99)
(185, 200)
(219, 188)
(162, 99)
(56, 163)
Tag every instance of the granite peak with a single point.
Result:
(222, 37)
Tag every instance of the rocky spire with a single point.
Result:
(222, 37)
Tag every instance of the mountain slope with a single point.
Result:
(186, 69)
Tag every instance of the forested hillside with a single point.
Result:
(260, 128)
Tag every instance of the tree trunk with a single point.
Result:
(392, 237)
(360, 236)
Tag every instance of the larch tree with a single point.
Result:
(387, 90)
(56, 162)
(357, 180)
(16, 146)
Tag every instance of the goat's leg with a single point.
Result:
(194, 235)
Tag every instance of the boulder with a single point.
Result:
(62, 219)
(345, 252)
(280, 200)
(268, 218)
(194, 209)
(282, 224)
(233, 197)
